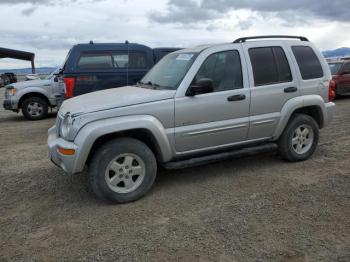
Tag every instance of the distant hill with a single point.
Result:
(340, 52)
(26, 71)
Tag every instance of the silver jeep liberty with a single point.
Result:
(196, 105)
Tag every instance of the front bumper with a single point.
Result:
(9, 104)
(66, 162)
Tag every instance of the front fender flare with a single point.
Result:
(28, 90)
(89, 133)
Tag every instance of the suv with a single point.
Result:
(92, 67)
(341, 76)
(197, 106)
(33, 97)
(12, 77)
(4, 80)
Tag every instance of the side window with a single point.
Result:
(137, 60)
(224, 69)
(346, 69)
(309, 65)
(120, 60)
(95, 61)
(284, 73)
(270, 65)
(133, 60)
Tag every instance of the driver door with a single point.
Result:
(219, 118)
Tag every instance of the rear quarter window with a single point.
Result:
(133, 60)
(308, 62)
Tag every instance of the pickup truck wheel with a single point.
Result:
(35, 108)
(300, 138)
(122, 170)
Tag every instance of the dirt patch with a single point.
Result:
(253, 209)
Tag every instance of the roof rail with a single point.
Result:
(244, 39)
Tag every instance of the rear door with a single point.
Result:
(272, 84)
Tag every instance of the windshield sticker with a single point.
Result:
(185, 57)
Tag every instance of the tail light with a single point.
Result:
(69, 83)
(331, 91)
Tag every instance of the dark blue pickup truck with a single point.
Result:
(92, 67)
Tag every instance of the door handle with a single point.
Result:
(290, 89)
(236, 98)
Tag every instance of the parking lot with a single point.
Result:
(252, 209)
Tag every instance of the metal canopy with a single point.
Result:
(16, 54)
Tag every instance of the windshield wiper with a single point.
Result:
(150, 84)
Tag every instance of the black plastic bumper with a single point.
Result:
(7, 105)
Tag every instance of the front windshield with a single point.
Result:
(169, 72)
(52, 74)
(334, 67)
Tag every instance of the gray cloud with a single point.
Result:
(206, 10)
(29, 11)
(45, 2)
(35, 2)
(179, 11)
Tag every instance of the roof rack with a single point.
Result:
(244, 39)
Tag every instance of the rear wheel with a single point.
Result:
(35, 108)
(300, 138)
(122, 170)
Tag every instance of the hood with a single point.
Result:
(113, 98)
(31, 83)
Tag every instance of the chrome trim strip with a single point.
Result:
(215, 130)
(258, 123)
(209, 149)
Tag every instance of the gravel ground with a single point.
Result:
(253, 209)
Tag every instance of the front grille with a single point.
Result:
(6, 93)
(58, 124)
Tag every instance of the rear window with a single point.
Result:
(95, 61)
(309, 65)
(270, 65)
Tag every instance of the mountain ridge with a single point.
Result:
(339, 52)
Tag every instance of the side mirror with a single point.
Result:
(55, 79)
(202, 86)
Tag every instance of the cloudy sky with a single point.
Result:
(50, 27)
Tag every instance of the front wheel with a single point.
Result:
(122, 170)
(35, 108)
(300, 138)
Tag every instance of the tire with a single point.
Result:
(115, 177)
(299, 139)
(35, 108)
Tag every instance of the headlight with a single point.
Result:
(11, 91)
(66, 126)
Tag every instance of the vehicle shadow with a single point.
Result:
(342, 97)
(20, 118)
(168, 182)
(219, 169)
